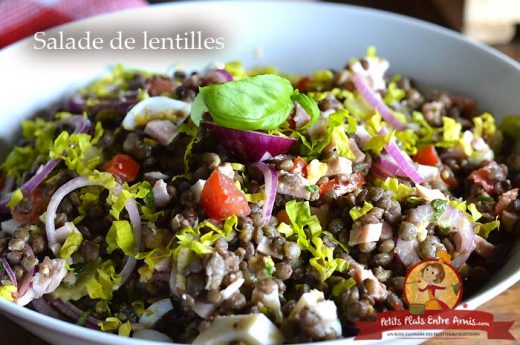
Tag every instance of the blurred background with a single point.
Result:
(494, 22)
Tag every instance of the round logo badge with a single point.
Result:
(432, 285)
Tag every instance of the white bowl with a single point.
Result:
(295, 37)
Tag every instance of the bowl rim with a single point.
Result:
(71, 329)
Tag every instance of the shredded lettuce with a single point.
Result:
(117, 79)
(408, 139)
(358, 212)
(16, 198)
(400, 191)
(202, 243)
(474, 212)
(71, 244)
(90, 196)
(377, 143)
(338, 125)
(78, 151)
(113, 323)
(393, 94)
(41, 132)
(236, 69)
(343, 286)
(97, 280)
(308, 230)
(484, 229)
(7, 291)
(18, 161)
(121, 236)
(103, 283)
(484, 125)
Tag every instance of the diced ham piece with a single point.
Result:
(504, 200)
(161, 130)
(365, 233)
(293, 185)
(300, 117)
(360, 156)
(160, 193)
(339, 166)
(360, 274)
(484, 248)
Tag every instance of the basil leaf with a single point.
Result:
(257, 103)
(309, 105)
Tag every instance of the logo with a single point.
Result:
(433, 289)
(432, 285)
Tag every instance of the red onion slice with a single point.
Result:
(271, 186)
(80, 182)
(366, 92)
(464, 235)
(10, 272)
(403, 160)
(406, 251)
(42, 307)
(251, 146)
(72, 312)
(81, 125)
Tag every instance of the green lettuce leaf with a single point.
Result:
(358, 212)
(121, 236)
(71, 244)
(18, 161)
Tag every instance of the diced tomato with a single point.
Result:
(221, 198)
(303, 84)
(123, 167)
(427, 156)
(299, 166)
(30, 208)
(282, 216)
(355, 181)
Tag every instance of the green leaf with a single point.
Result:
(121, 236)
(377, 143)
(451, 130)
(439, 207)
(393, 94)
(400, 191)
(18, 161)
(484, 125)
(71, 244)
(358, 212)
(309, 105)
(104, 282)
(475, 214)
(16, 198)
(7, 291)
(256, 103)
(343, 286)
(77, 151)
(485, 229)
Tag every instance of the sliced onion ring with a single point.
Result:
(271, 186)
(366, 92)
(464, 235)
(81, 125)
(403, 160)
(251, 146)
(80, 182)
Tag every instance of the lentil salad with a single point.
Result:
(175, 207)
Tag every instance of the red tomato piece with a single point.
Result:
(427, 156)
(123, 167)
(221, 198)
(299, 166)
(30, 208)
(355, 181)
